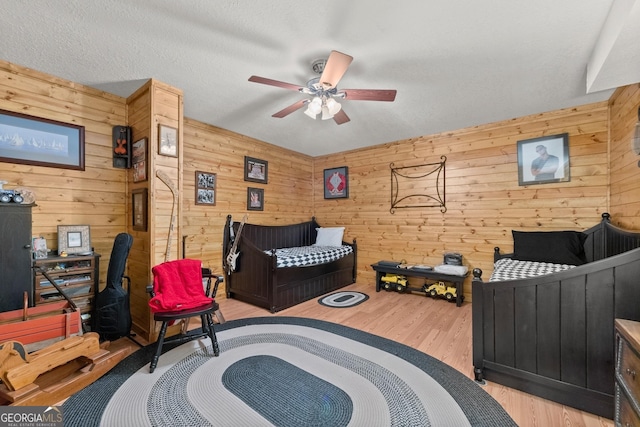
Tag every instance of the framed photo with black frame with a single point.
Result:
(139, 209)
(255, 170)
(544, 160)
(205, 188)
(336, 183)
(255, 199)
(35, 141)
(74, 240)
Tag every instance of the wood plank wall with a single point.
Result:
(288, 194)
(483, 199)
(625, 164)
(95, 196)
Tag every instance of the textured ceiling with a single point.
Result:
(454, 63)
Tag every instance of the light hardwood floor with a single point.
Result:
(433, 326)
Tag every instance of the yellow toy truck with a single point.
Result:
(449, 293)
(394, 282)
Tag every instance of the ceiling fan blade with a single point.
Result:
(341, 117)
(291, 108)
(370, 94)
(266, 81)
(335, 68)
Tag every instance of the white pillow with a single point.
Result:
(329, 236)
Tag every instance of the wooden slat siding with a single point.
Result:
(139, 262)
(484, 201)
(482, 188)
(93, 196)
(624, 173)
(288, 193)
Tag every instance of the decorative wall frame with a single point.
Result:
(336, 183)
(408, 179)
(255, 199)
(74, 240)
(255, 170)
(139, 160)
(544, 160)
(36, 141)
(167, 141)
(139, 209)
(205, 188)
(121, 140)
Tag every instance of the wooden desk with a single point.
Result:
(458, 281)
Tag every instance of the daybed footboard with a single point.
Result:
(553, 335)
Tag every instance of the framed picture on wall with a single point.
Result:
(205, 188)
(139, 209)
(31, 140)
(255, 170)
(544, 160)
(167, 141)
(336, 183)
(139, 160)
(255, 199)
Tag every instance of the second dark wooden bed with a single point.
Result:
(553, 335)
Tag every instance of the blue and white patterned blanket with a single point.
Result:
(309, 255)
(512, 269)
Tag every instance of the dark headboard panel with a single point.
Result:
(277, 236)
(606, 240)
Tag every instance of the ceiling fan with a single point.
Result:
(324, 90)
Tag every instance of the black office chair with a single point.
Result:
(177, 293)
(112, 317)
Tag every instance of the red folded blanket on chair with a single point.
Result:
(178, 286)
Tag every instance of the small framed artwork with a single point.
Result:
(139, 209)
(205, 188)
(39, 246)
(139, 160)
(255, 199)
(544, 160)
(74, 240)
(336, 183)
(167, 141)
(255, 170)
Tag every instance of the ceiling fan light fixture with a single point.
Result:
(333, 106)
(310, 113)
(326, 115)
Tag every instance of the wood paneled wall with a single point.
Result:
(95, 196)
(288, 194)
(625, 164)
(483, 199)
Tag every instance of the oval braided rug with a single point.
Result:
(285, 371)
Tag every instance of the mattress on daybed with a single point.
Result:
(302, 256)
(513, 269)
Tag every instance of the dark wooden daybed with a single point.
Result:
(553, 335)
(257, 279)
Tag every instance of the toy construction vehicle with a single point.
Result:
(394, 282)
(442, 290)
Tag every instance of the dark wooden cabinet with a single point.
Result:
(15, 256)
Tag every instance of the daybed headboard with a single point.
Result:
(605, 240)
(275, 236)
